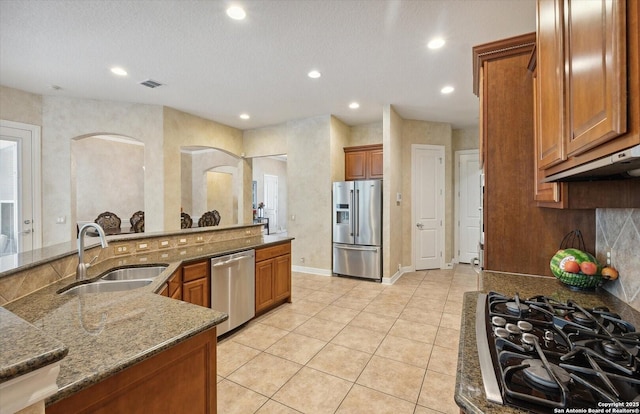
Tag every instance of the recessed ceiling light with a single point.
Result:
(118, 71)
(244, 116)
(435, 43)
(314, 74)
(447, 89)
(236, 13)
(354, 105)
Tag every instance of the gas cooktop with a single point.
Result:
(539, 354)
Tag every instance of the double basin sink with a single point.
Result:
(118, 280)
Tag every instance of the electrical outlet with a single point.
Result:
(122, 249)
(164, 244)
(199, 239)
(142, 246)
(302, 260)
(399, 267)
(608, 253)
(182, 241)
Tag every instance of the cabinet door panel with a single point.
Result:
(175, 285)
(549, 105)
(264, 284)
(177, 294)
(596, 74)
(282, 279)
(196, 292)
(195, 271)
(376, 167)
(355, 165)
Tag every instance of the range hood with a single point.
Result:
(623, 164)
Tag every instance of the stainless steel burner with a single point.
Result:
(612, 349)
(513, 307)
(582, 319)
(525, 326)
(538, 374)
(498, 321)
(501, 332)
(512, 329)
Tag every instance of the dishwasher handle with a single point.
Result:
(231, 259)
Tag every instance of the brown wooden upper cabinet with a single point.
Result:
(363, 162)
(587, 81)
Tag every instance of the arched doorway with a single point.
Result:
(107, 174)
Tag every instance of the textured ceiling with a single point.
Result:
(370, 51)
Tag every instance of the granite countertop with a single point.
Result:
(469, 392)
(17, 262)
(18, 356)
(107, 332)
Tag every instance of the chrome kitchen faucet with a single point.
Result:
(81, 270)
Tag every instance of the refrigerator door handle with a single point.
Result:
(358, 248)
(351, 211)
(357, 209)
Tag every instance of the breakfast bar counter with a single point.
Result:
(95, 336)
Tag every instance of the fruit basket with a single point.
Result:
(577, 280)
(580, 280)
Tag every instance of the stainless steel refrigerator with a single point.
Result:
(357, 228)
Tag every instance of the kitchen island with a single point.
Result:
(111, 333)
(469, 392)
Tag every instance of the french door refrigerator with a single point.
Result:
(357, 228)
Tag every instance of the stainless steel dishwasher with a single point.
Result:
(233, 286)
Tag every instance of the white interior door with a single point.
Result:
(428, 205)
(271, 200)
(468, 205)
(19, 187)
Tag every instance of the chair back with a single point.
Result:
(108, 220)
(207, 219)
(185, 221)
(137, 221)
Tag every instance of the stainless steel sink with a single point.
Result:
(134, 273)
(102, 286)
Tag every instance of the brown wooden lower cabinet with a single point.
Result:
(173, 287)
(181, 379)
(273, 276)
(196, 282)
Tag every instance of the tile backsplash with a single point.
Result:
(618, 231)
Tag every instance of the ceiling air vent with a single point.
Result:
(150, 83)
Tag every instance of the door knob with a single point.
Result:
(419, 225)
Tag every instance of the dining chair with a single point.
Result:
(108, 221)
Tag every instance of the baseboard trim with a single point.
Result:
(311, 270)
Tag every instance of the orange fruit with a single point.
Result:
(610, 273)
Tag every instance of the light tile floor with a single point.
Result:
(350, 346)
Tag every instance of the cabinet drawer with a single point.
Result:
(273, 251)
(195, 271)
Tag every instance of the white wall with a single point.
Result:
(108, 176)
(64, 119)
